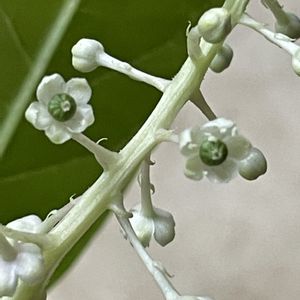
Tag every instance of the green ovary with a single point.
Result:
(62, 107)
(213, 152)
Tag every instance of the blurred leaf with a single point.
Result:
(35, 175)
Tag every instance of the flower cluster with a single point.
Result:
(20, 260)
(217, 151)
(62, 108)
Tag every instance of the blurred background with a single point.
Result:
(236, 241)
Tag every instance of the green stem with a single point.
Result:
(277, 11)
(157, 272)
(199, 100)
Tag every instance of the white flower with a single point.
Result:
(61, 108)
(160, 225)
(214, 150)
(22, 260)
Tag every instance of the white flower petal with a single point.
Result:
(58, 134)
(222, 173)
(190, 141)
(194, 168)
(220, 128)
(238, 146)
(79, 89)
(30, 266)
(28, 224)
(49, 87)
(164, 227)
(8, 278)
(83, 118)
(38, 116)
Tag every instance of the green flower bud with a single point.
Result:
(253, 165)
(213, 152)
(222, 59)
(291, 28)
(296, 62)
(214, 25)
(62, 107)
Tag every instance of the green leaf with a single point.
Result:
(35, 175)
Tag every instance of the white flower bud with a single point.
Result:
(214, 25)
(85, 55)
(296, 62)
(222, 59)
(253, 165)
(160, 226)
(292, 28)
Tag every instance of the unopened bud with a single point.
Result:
(253, 166)
(214, 25)
(222, 59)
(86, 53)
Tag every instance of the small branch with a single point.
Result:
(110, 62)
(104, 156)
(199, 100)
(153, 267)
(277, 39)
(277, 11)
(56, 216)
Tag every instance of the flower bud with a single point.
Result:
(160, 226)
(85, 55)
(214, 25)
(296, 62)
(291, 28)
(222, 59)
(253, 165)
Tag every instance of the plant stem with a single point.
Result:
(279, 40)
(104, 156)
(277, 11)
(158, 274)
(199, 100)
(96, 200)
(110, 62)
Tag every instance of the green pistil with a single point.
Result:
(62, 107)
(213, 152)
